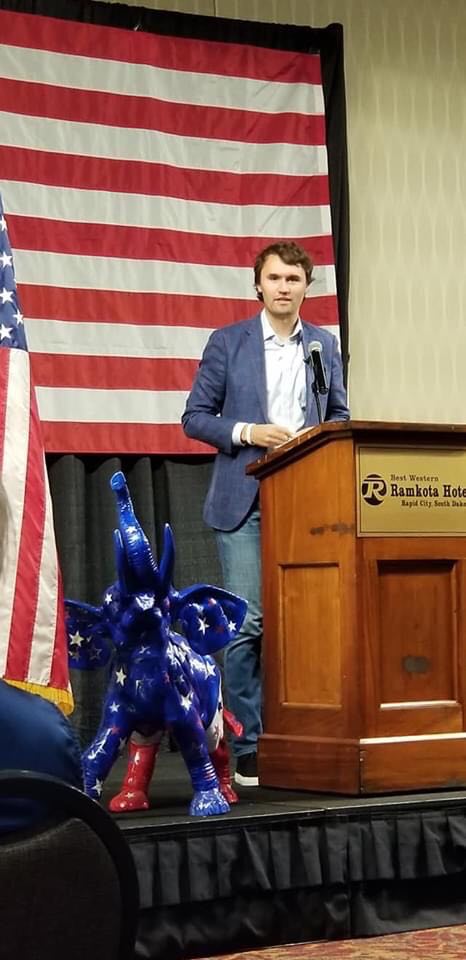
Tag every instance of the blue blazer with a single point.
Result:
(230, 387)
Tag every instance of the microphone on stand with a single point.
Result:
(315, 359)
(320, 385)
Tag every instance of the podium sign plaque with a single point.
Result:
(411, 490)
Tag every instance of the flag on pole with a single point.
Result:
(33, 647)
(142, 174)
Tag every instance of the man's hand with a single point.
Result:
(266, 435)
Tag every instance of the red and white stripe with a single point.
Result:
(141, 175)
(32, 629)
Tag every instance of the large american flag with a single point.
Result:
(141, 176)
(33, 649)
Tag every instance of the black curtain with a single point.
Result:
(173, 489)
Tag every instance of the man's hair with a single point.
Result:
(288, 251)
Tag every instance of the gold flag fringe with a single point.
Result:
(63, 699)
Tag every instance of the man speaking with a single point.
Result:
(254, 391)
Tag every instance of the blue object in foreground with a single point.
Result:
(160, 680)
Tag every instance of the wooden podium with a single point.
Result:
(364, 592)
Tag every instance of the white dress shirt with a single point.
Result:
(285, 376)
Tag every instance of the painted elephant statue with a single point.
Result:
(161, 680)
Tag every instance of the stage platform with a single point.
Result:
(288, 867)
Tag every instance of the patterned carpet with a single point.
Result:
(443, 943)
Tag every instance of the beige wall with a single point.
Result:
(406, 99)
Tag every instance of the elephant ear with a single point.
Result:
(89, 640)
(209, 616)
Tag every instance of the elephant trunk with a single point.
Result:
(140, 571)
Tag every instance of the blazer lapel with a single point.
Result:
(256, 362)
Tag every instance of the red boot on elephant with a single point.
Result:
(221, 761)
(142, 753)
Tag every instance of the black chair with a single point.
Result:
(68, 885)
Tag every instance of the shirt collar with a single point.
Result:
(268, 332)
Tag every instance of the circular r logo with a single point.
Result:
(373, 489)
